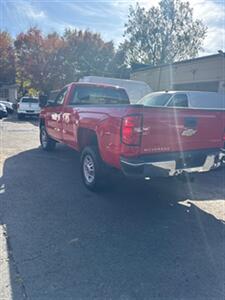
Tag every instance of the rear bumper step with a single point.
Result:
(172, 164)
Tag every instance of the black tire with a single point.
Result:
(98, 181)
(20, 116)
(3, 115)
(47, 143)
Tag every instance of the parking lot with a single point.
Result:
(135, 240)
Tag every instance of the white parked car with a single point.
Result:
(134, 88)
(188, 99)
(28, 106)
(3, 111)
(8, 105)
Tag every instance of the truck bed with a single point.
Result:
(164, 130)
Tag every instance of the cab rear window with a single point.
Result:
(99, 95)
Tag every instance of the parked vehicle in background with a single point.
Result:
(8, 105)
(28, 106)
(3, 111)
(189, 99)
(98, 121)
(135, 89)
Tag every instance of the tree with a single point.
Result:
(49, 62)
(7, 59)
(117, 67)
(162, 34)
(86, 54)
(40, 60)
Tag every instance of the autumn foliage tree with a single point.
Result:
(161, 34)
(39, 60)
(7, 59)
(49, 62)
(86, 53)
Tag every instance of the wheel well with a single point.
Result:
(86, 137)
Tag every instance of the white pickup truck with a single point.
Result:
(28, 106)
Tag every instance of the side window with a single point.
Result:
(60, 97)
(179, 100)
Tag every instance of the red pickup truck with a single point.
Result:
(98, 121)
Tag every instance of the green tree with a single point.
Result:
(162, 34)
(7, 59)
(117, 67)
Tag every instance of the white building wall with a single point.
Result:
(208, 72)
(12, 94)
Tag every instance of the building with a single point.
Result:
(8, 92)
(205, 73)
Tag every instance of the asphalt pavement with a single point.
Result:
(134, 240)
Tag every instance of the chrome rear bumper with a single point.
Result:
(186, 162)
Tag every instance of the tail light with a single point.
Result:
(18, 105)
(131, 130)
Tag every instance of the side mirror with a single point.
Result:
(43, 99)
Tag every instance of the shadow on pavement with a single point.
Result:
(12, 118)
(134, 241)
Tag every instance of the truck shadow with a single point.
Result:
(133, 241)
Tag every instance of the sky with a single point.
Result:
(104, 16)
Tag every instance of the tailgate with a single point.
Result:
(172, 130)
(29, 106)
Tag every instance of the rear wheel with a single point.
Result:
(92, 168)
(47, 143)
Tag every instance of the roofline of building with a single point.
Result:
(147, 67)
